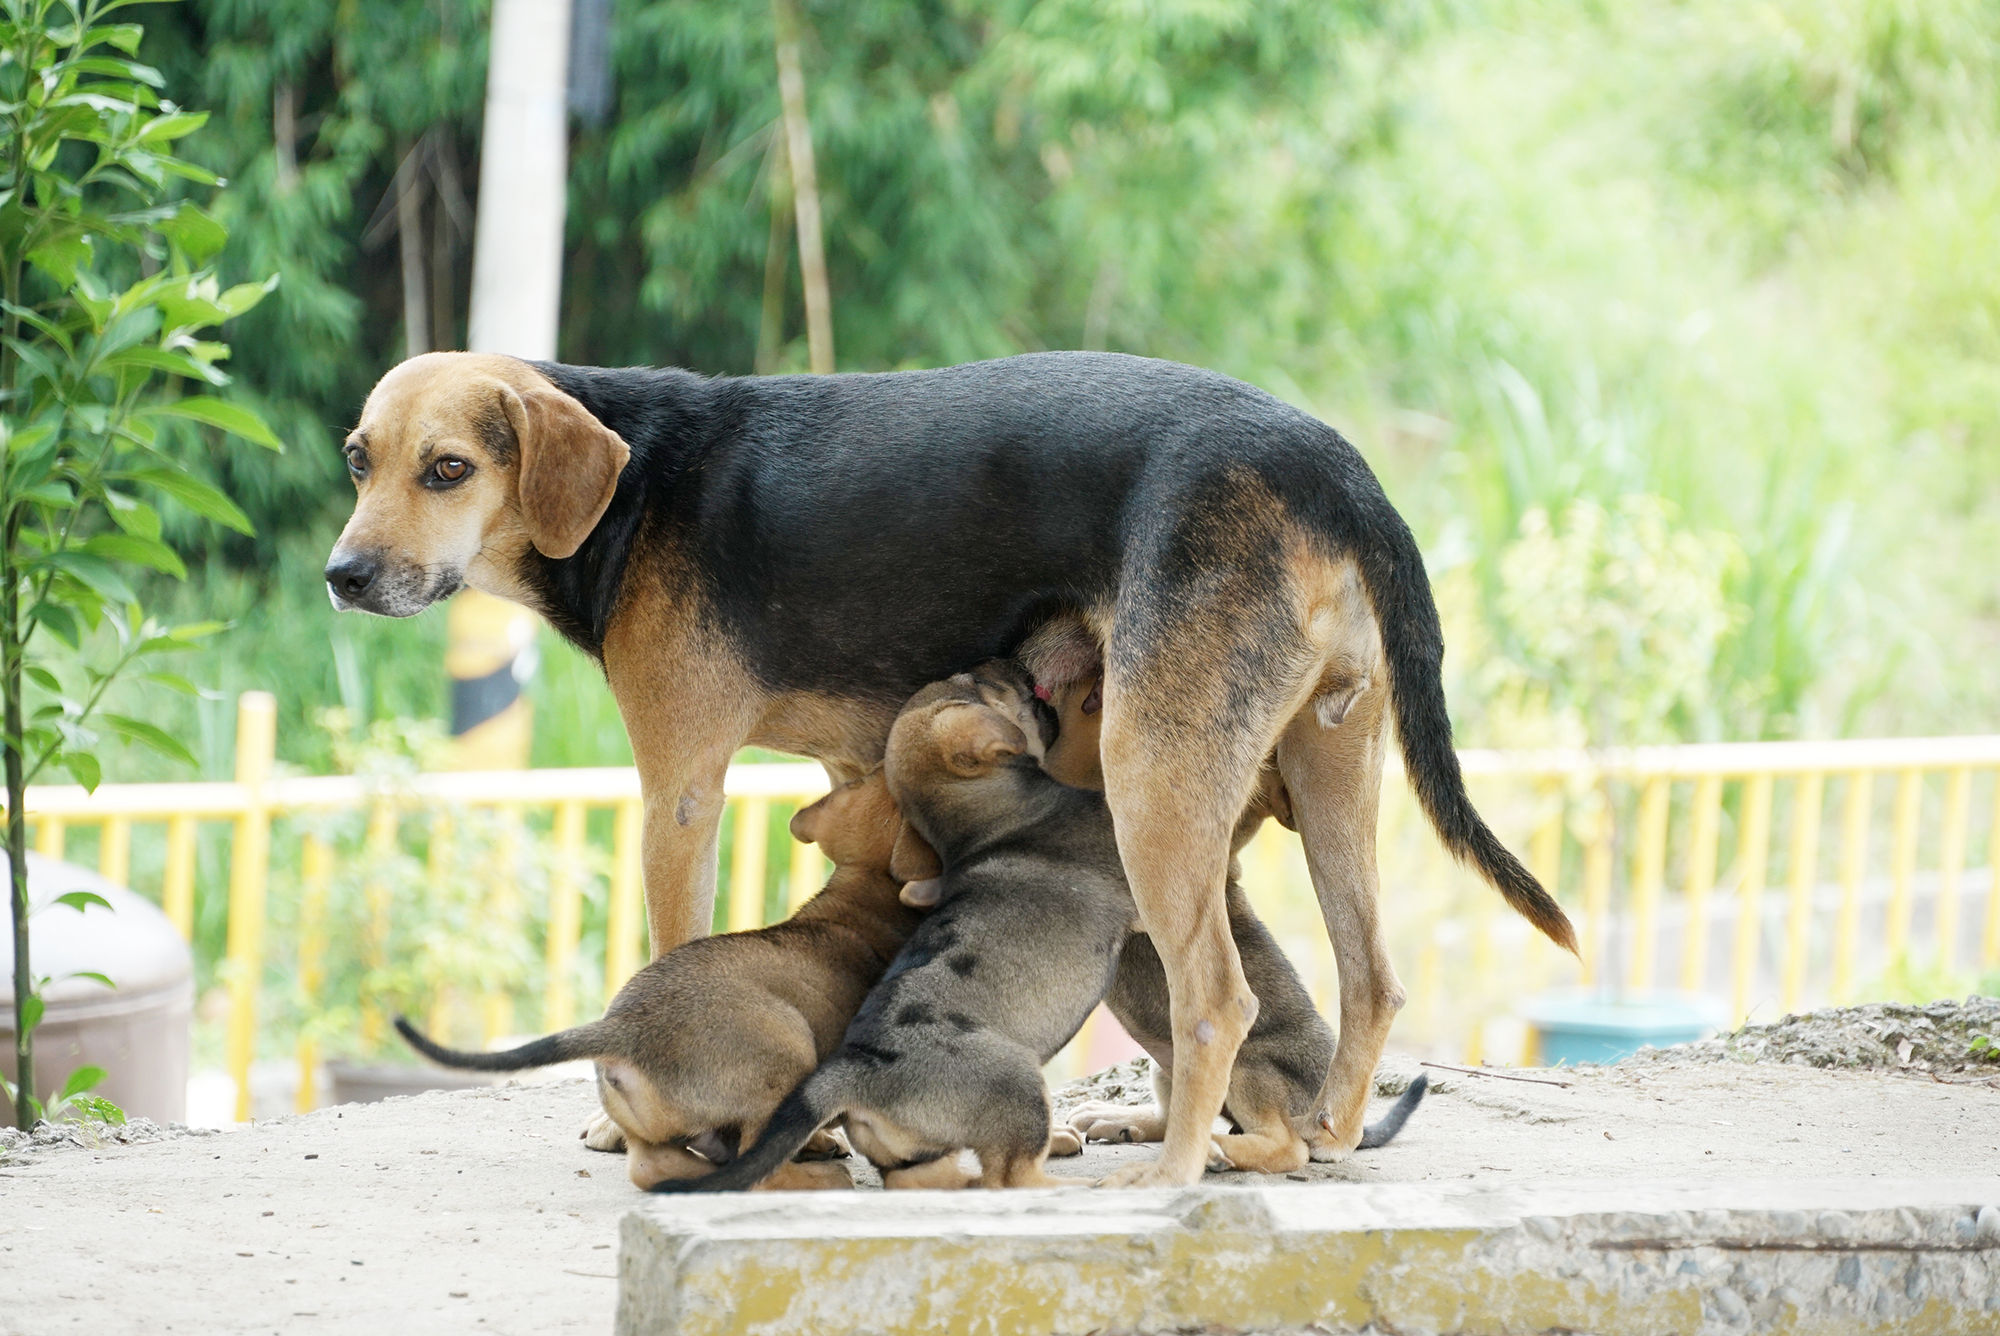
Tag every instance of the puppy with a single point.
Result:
(1273, 1099)
(697, 1049)
(1032, 908)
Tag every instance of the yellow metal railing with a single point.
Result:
(1722, 841)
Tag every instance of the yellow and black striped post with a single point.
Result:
(490, 655)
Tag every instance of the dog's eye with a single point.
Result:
(450, 470)
(357, 459)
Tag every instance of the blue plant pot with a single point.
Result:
(1589, 1026)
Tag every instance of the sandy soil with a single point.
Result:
(480, 1211)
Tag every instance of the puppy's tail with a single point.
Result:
(1383, 1131)
(797, 1117)
(585, 1041)
(1392, 569)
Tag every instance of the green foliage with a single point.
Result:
(107, 290)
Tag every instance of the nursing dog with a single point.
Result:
(782, 561)
(697, 1048)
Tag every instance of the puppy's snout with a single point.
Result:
(350, 574)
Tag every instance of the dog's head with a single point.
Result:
(857, 825)
(965, 727)
(461, 463)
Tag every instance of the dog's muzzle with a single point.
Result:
(359, 582)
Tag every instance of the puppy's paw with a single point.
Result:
(809, 1176)
(1118, 1123)
(825, 1144)
(1218, 1158)
(600, 1133)
(1065, 1141)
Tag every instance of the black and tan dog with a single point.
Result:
(784, 560)
(698, 1047)
(1032, 907)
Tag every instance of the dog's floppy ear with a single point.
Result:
(913, 859)
(569, 467)
(805, 821)
(976, 745)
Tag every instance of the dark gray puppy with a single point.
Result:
(1032, 908)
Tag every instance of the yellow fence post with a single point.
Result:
(565, 919)
(380, 843)
(622, 914)
(249, 876)
(439, 860)
(1597, 882)
(1649, 863)
(504, 903)
(1706, 818)
(1853, 871)
(746, 864)
(177, 886)
(1989, 949)
(1903, 861)
(1753, 855)
(114, 851)
(49, 836)
(1951, 863)
(1807, 793)
(315, 872)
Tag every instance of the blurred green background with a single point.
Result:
(1674, 329)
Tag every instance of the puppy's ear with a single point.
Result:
(977, 748)
(568, 468)
(806, 821)
(923, 894)
(913, 859)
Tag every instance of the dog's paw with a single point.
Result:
(1151, 1174)
(1218, 1159)
(809, 1176)
(826, 1144)
(1118, 1123)
(1065, 1141)
(600, 1133)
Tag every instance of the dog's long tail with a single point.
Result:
(812, 1103)
(1392, 569)
(585, 1041)
(1383, 1130)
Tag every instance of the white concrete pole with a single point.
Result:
(523, 169)
(517, 252)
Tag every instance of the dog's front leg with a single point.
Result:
(687, 705)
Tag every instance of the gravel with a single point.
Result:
(1934, 1040)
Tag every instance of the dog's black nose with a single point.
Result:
(350, 576)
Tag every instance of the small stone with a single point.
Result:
(1690, 1267)
(1986, 1225)
(1885, 1303)
(1730, 1304)
(1967, 1228)
(1835, 1224)
(1754, 1287)
(1788, 1224)
(1848, 1273)
(1788, 1296)
(1543, 1227)
(1915, 1286)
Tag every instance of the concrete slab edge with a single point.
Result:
(1648, 1259)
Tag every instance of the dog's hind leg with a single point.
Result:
(1334, 775)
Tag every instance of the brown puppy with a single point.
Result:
(698, 1047)
(1274, 1087)
(947, 1052)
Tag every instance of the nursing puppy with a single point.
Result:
(1032, 908)
(1273, 1100)
(697, 1049)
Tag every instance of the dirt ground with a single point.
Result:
(480, 1210)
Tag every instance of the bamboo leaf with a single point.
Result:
(80, 1081)
(231, 417)
(84, 769)
(161, 741)
(193, 493)
(131, 547)
(81, 900)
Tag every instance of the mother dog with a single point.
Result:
(782, 561)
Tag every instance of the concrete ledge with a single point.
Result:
(1830, 1256)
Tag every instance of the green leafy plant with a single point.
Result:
(106, 292)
